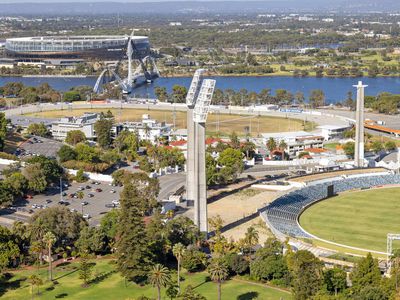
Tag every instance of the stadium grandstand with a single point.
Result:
(102, 47)
(282, 215)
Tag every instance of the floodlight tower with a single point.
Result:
(359, 145)
(190, 160)
(199, 118)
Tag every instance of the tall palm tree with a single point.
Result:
(49, 239)
(35, 280)
(282, 146)
(159, 276)
(179, 250)
(37, 248)
(271, 145)
(251, 237)
(218, 272)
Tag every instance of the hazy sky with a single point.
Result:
(55, 1)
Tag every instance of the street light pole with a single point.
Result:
(61, 190)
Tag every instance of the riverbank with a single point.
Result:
(336, 89)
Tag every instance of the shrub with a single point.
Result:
(87, 167)
(80, 176)
(194, 260)
(5, 155)
(237, 264)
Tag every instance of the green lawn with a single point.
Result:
(227, 123)
(111, 286)
(359, 219)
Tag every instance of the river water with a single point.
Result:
(335, 89)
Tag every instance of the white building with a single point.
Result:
(148, 129)
(330, 132)
(296, 141)
(59, 129)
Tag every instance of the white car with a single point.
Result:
(86, 216)
(115, 202)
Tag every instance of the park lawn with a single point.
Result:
(111, 286)
(331, 146)
(227, 123)
(360, 219)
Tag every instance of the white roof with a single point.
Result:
(76, 38)
(290, 134)
(333, 127)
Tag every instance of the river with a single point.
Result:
(335, 89)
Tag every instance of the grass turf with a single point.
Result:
(359, 219)
(227, 123)
(110, 285)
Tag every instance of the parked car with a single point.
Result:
(90, 195)
(112, 191)
(73, 210)
(86, 216)
(115, 202)
(84, 203)
(48, 201)
(99, 190)
(110, 205)
(88, 187)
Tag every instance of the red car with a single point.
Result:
(99, 190)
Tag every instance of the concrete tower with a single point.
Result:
(193, 92)
(359, 145)
(199, 118)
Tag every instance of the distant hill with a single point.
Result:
(224, 7)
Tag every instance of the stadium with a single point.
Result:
(85, 47)
(347, 211)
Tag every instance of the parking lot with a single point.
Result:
(94, 206)
(39, 146)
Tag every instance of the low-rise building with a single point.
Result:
(296, 141)
(148, 129)
(85, 123)
(330, 132)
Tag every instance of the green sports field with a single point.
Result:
(359, 219)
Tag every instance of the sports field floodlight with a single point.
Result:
(204, 101)
(389, 250)
(194, 87)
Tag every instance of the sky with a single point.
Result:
(66, 1)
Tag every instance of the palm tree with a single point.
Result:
(159, 276)
(49, 239)
(179, 250)
(282, 146)
(35, 280)
(251, 237)
(80, 195)
(36, 248)
(218, 272)
(271, 145)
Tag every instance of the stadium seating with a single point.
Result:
(282, 214)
